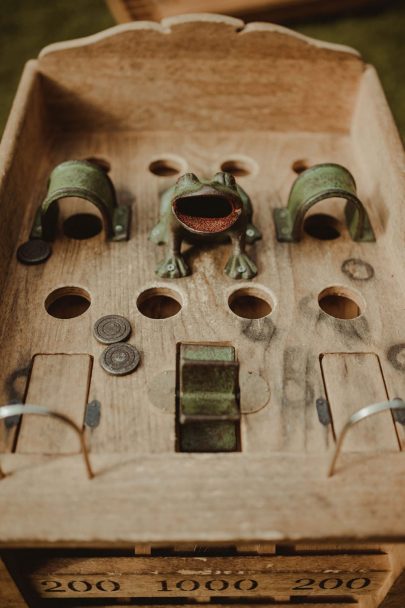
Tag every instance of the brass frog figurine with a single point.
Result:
(197, 210)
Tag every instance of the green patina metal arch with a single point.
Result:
(314, 185)
(86, 180)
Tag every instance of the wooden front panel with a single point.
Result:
(207, 577)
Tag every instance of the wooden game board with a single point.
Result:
(201, 93)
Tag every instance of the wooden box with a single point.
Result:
(265, 524)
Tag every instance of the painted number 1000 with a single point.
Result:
(217, 584)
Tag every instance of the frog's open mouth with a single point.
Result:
(206, 212)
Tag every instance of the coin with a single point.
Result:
(111, 329)
(34, 251)
(120, 359)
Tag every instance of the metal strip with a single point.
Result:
(7, 411)
(365, 412)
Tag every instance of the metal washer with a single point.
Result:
(111, 329)
(34, 251)
(120, 359)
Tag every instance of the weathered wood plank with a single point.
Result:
(60, 383)
(353, 381)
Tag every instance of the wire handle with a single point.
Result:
(8, 411)
(365, 412)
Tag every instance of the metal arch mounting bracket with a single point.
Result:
(314, 185)
(365, 412)
(8, 411)
(86, 180)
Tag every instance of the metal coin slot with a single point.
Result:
(208, 411)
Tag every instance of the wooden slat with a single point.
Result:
(60, 383)
(298, 502)
(353, 381)
(206, 577)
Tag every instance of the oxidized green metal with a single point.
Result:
(87, 180)
(208, 410)
(196, 210)
(317, 184)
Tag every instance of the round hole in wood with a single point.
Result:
(239, 166)
(340, 303)
(103, 163)
(250, 303)
(167, 167)
(300, 165)
(82, 226)
(67, 302)
(322, 226)
(159, 303)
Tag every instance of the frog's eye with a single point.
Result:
(226, 179)
(187, 179)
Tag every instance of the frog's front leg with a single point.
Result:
(239, 265)
(173, 266)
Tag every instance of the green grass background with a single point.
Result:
(28, 25)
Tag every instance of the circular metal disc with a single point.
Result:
(34, 251)
(120, 359)
(111, 329)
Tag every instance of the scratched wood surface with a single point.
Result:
(262, 123)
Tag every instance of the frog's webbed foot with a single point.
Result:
(158, 234)
(173, 267)
(252, 234)
(240, 266)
